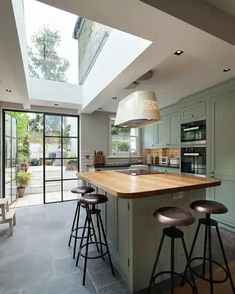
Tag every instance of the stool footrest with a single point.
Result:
(205, 278)
(82, 228)
(175, 274)
(97, 256)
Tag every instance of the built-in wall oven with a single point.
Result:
(193, 160)
(193, 147)
(193, 133)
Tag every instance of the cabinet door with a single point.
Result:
(164, 131)
(175, 129)
(221, 154)
(148, 136)
(193, 111)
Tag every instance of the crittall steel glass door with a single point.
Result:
(10, 160)
(61, 157)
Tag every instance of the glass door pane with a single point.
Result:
(10, 153)
(60, 156)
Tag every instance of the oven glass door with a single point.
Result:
(193, 160)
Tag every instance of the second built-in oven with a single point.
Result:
(193, 133)
(193, 160)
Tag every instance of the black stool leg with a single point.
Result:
(74, 219)
(100, 239)
(76, 232)
(82, 238)
(87, 246)
(204, 252)
(155, 263)
(187, 258)
(105, 241)
(225, 259)
(172, 264)
(210, 253)
(93, 229)
(191, 252)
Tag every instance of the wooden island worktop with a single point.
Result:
(132, 232)
(131, 187)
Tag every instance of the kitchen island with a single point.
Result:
(132, 232)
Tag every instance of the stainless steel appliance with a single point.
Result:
(163, 160)
(193, 133)
(193, 160)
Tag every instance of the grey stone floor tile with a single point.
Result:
(25, 271)
(65, 266)
(101, 273)
(119, 287)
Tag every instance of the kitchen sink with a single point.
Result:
(138, 172)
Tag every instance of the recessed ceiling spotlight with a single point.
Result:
(179, 52)
(56, 104)
(99, 108)
(8, 90)
(226, 69)
(114, 98)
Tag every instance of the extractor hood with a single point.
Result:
(138, 110)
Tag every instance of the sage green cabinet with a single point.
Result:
(169, 129)
(150, 136)
(221, 153)
(193, 109)
(167, 169)
(164, 131)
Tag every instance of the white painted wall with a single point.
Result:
(40, 89)
(118, 52)
(94, 131)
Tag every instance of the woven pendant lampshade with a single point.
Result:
(138, 110)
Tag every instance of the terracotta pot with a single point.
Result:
(20, 191)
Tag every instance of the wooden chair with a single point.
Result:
(7, 215)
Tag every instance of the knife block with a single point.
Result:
(99, 160)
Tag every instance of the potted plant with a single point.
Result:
(23, 181)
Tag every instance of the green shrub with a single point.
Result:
(23, 178)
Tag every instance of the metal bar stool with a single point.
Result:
(172, 216)
(91, 201)
(209, 207)
(81, 191)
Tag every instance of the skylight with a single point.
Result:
(52, 50)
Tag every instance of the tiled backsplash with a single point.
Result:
(87, 159)
(171, 152)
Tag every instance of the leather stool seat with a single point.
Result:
(93, 199)
(173, 216)
(82, 190)
(209, 207)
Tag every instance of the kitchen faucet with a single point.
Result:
(132, 151)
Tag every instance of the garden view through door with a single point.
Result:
(10, 151)
(60, 153)
(41, 157)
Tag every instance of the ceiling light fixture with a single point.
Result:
(138, 110)
(179, 52)
(114, 98)
(8, 90)
(226, 69)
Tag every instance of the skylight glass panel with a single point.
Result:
(52, 50)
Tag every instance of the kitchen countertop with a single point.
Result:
(128, 165)
(131, 187)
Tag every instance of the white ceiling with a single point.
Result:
(205, 54)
